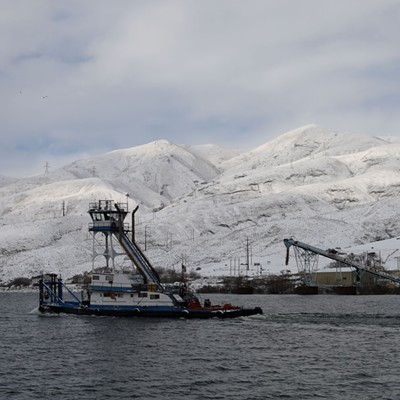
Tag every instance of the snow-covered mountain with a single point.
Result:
(199, 204)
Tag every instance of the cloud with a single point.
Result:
(86, 77)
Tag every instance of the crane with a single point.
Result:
(308, 252)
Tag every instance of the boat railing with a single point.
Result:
(54, 291)
(107, 205)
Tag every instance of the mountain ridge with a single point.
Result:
(200, 203)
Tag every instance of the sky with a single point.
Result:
(80, 78)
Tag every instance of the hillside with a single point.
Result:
(198, 204)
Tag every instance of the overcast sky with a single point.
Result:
(80, 78)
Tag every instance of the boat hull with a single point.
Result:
(150, 312)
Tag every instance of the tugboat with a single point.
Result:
(137, 292)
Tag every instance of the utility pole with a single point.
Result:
(169, 240)
(247, 256)
(398, 262)
(127, 201)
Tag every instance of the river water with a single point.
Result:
(303, 347)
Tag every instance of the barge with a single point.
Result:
(133, 292)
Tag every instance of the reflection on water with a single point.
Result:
(323, 347)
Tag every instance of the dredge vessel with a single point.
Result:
(137, 292)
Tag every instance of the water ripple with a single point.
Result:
(319, 347)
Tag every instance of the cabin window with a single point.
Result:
(109, 277)
(96, 277)
(154, 296)
(143, 294)
(120, 295)
(106, 294)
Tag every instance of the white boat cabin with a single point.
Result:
(121, 289)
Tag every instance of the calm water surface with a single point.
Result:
(303, 347)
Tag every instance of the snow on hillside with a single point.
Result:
(213, 153)
(310, 141)
(199, 204)
(157, 173)
(47, 201)
(5, 180)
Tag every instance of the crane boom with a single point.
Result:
(333, 255)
